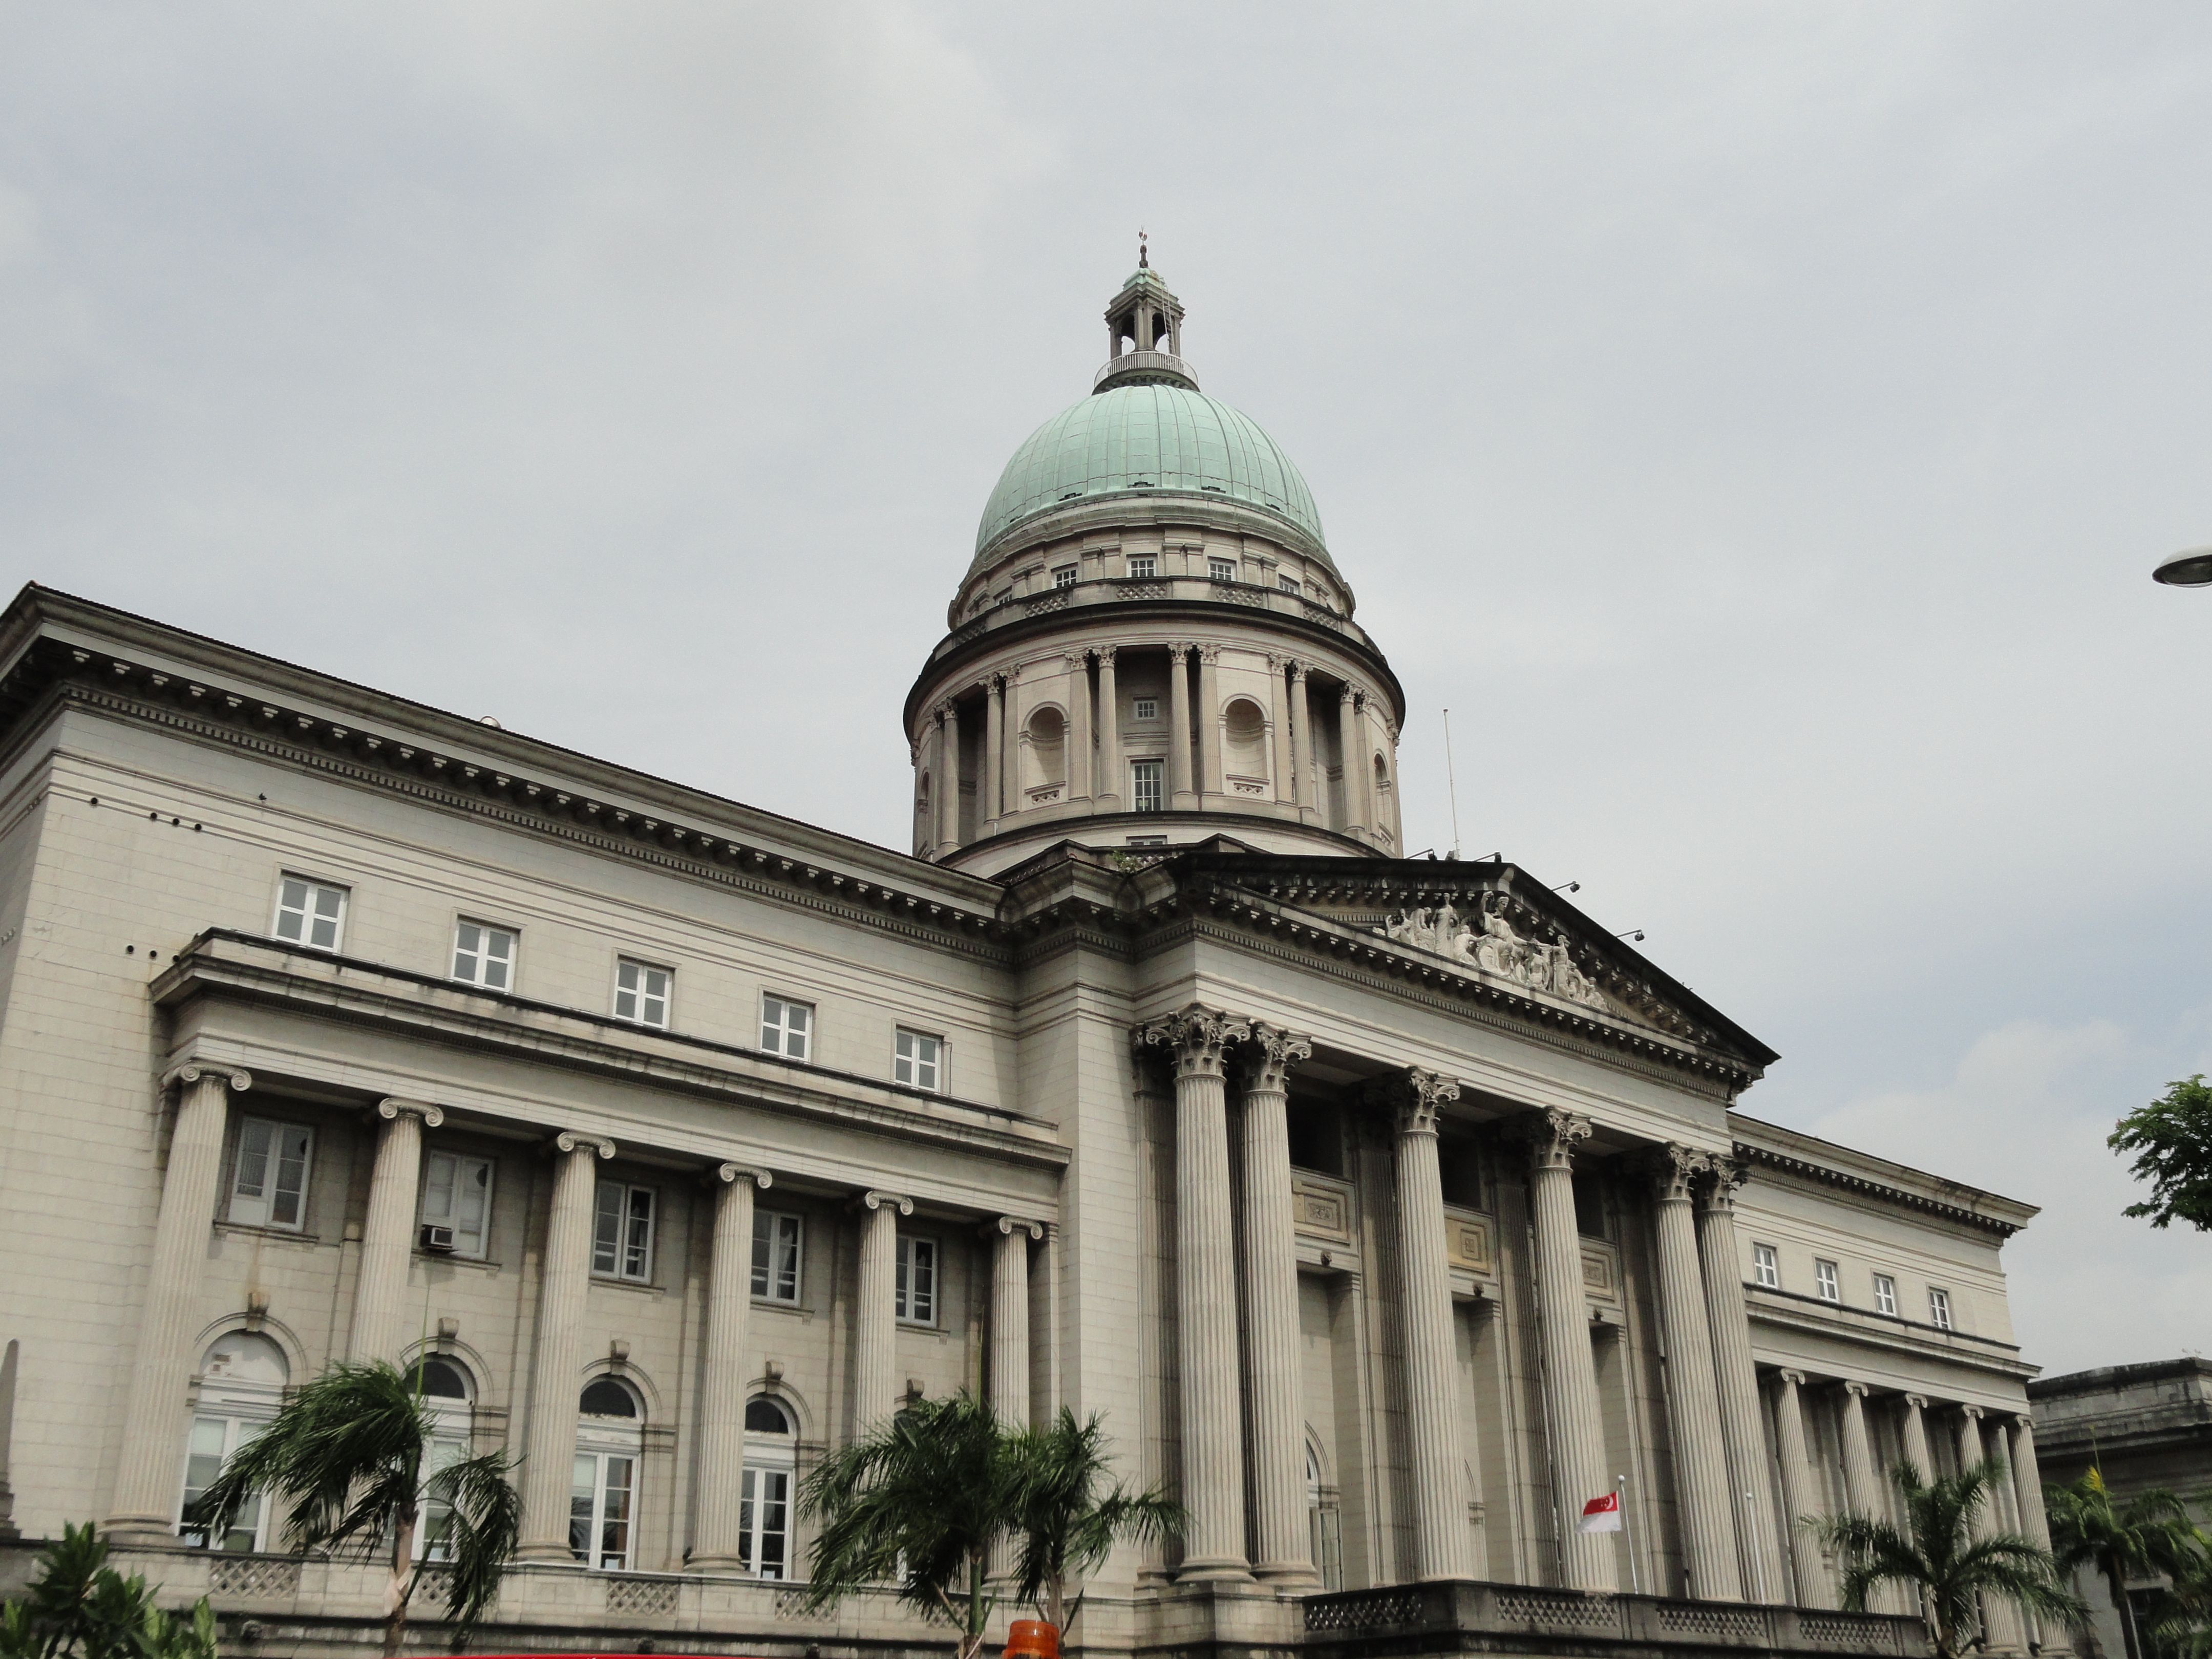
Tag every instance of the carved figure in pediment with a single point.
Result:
(1416, 927)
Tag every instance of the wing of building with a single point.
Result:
(1385, 1210)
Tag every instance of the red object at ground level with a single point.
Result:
(1032, 1638)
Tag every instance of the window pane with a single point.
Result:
(464, 951)
(606, 1229)
(473, 1201)
(323, 933)
(288, 1202)
(253, 1158)
(774, 1492)
(498, 954)
(614, 1518)
(583, 1490)
(438, 1188)
(747, 1483)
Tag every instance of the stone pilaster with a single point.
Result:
(556, 1369)
(1577, 1443)
(876, 1386)
(387, 1236)
(1197, 1040)
(1750, 1493)
(1009, 1237)
(1816, 1586)
(1442, 1546)
(728, 1371)
(146, 1488)
(1701, 1471)
(1107, 786)
(1182, 796)
(1279, 1531)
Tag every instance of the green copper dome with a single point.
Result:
(1146, 440)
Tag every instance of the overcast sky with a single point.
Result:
(1756, 423)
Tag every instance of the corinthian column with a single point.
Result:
(1211, 784)
(1750, 1495)
(948, 777)
(1107, 785)
(1814, 1589)
(875, 1309)
(1279, 729)
(1078, 726)
(1271, 1277)
(153, 1449)
(716, 1542)
(1441, 1548)
(387, 1236)
(1010, 1317)
(557, 1367)
(1206, 1293)
(1353, 752)
(991, 803)
(1701, 1472)
(1181, 796)
(1301, 789)
(1577, 1444)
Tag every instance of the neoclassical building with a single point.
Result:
(1388, 1210)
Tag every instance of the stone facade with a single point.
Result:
(1387, 1210)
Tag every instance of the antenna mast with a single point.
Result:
(1451, 783)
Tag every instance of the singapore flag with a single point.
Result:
(1600, 1513)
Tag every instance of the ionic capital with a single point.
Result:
(1273, 1053)
(238, 1082)
(1007, 1225)
(1552, 1137)
(1859, 1389)
(1972, 1413)
(389, 1110)
(1794, 1379)
(571, 1140)
(1917, 1402)
(1673, 1168)
(1414, 1098)
(1197, 1039)
(723, 1175)
(876, 1200)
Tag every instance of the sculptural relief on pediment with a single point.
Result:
(1492, 944)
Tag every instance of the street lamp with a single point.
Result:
(2191, 569)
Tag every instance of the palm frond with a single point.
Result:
(484, 1526)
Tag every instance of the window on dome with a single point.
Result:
(1144, 565)
(1221, 570)
(1147, 792)
(1064, 576)
(1147, 708)
(1288, 584)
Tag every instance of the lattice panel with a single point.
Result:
(253, 1577)
(641, 1595)
(1729, 1623)
(1572, 1612)
(1846, 1630)
(1365, 1612)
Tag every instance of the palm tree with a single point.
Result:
(1938, 1556)
(2150, 1534)
(345, 1456)
(80, 1608)
(1065, 1524)
(918, 1502)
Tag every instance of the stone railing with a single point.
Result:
(1117, 590)
(1468, 1617)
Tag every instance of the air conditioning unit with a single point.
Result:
(437, 1239)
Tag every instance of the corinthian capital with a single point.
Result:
(1414, 1098)
(1272, 1052)
(1673, 1168)
(1728, 1174)
(1197, 1039)
(1552, 1137)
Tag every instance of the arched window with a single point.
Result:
(764, 1500)
(1244, 733)
(448, 1400)
(242, 1377)
(603, 1495)
(1045, 748)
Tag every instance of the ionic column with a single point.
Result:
(1078, 726)
(1577, 1444)
(993, 804)
(556, 1367)
(876, 1386)
(1861, 1490)
(1209, 724)
(1107, 785)
(1181, 796)
(2004, 1498)
(1814, 1587)
(1301, 786)
(1206, 1293)
(948, 777)
(1009, 1379)
(2034, 1523)
(1442, 1548)
(1750, 1495)
(1355, 761)
(1701, 1472)
(1268, 1226)
(152, 1451)
(728, 1371)
(387, 1236)
(2001, 1627)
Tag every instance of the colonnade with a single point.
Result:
(145, 1507)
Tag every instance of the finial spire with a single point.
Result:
(1144, 262)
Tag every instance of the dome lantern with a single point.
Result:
(1143, 333)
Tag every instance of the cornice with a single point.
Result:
(1828, 1175)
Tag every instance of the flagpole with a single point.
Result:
(1635, 1578)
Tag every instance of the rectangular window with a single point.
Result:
(1144, 565)
(1825, 1284)
(1939, 1309)
(775, 1257)
(787, 1027)
(310, 913)
(1144, 841)
(456, 1193)
(1288, 584)
(213, 1440)
(1765, 1268)
(1147, 709)
(269, 1188)
(1147, 786)
(917, 1060)
(1064, 577)
(916, 1295)
(483, 956)
(763, 1524)
(641, 994)
(599, 1510)
(621, 1233)
(1221, 570)
(1884, 1294)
